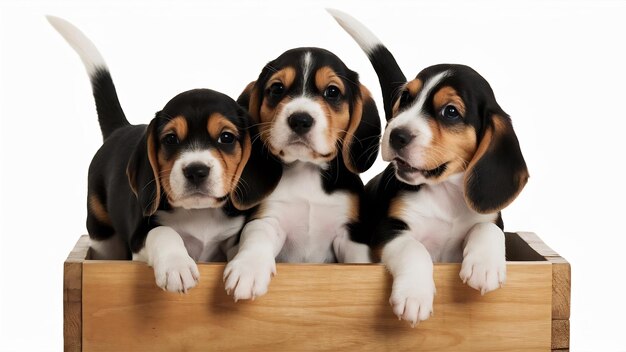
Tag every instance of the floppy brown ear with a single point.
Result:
(260, 172)
(143, 172)
(497, 172)
(360, 145)
(249, 99)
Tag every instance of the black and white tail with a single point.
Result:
(110, 113)
(389, 73)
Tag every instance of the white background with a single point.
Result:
(557, 67)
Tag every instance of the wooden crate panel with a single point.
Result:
(336, 307)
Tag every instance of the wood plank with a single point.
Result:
(561, 275)
(561, 288)
(80, 252)
(72, 307)
(311, 308)
(72, 295)
(560, 334)
(537, 244)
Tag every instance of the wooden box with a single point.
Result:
(116, 306)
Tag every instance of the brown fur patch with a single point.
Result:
(397, 208)
(218, 123)
(177, 125)
(232, 161)
(98, 210)
(156, 170)
(286, 76)
(267, 113)
(353, 206)
(338, 121)
(325, 77)
(413, 87)
(253, 101)
(355, 120)
(446, 96)
(165, 169)
(452, 144)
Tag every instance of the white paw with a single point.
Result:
(483, 271)
(412, 300)
(248, 276)
(176, 272)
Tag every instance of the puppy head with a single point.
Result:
(193, 152)
(310, 107)
(447, 121)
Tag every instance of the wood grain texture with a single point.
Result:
(72, 296)
(560, 334)
(312, 308)
(80, 252)
(561, 275)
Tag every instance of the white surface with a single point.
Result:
(557, 67)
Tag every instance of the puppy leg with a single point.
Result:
(174, 269)
(484, 262)
(413, 289)
(248, 275)
(348, 251)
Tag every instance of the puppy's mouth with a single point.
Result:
(299, 144)
(404, 168)
(198, 200)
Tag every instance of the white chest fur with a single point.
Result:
(203, 230)
(310, 217)
(439, 218)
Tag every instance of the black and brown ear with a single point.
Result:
(260, 173)
(143, 170)
(360, 146)
(250, 100)
(497, 172)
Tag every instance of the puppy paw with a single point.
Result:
(176, 273)
(412, 300)
(248, 276)
(484, 272)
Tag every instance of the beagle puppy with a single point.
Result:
(321, 128)
(161, 193)
(455, 162)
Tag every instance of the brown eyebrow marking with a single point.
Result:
(413, 87)
(326, 76)
(286, 76)
(218, 123)
(178, 125)
(448, 95)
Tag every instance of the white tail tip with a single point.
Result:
(87, 51)
(361, 34)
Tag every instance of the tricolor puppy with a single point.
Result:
(321, 128)
(162, 193)
(455, 163)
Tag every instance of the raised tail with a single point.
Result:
(389, 73)
(110, 113)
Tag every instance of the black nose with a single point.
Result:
(300, 122)
(399, 138)
(196, 173)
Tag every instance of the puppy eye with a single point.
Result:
(332, 93)
(405, 98)
(226, 138)
(277, 90)
(170, 139)
(449, 112)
